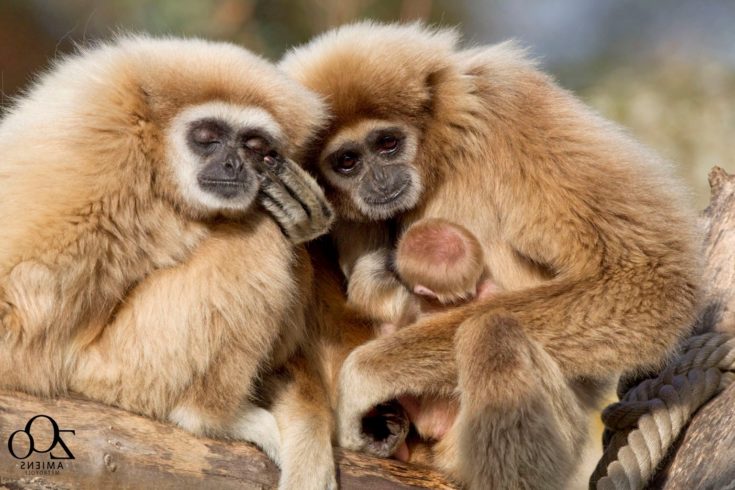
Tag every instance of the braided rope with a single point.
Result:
(648, 419)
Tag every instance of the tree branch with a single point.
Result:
(117, 449)
(704, 454)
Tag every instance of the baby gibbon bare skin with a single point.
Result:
(137, 266)
(440, 259)
(586, 233)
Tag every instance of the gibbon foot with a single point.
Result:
(385, 428)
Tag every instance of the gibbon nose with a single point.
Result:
(226, 170)
(384, 181)
(231, 168)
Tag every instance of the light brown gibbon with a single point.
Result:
(585, 232)
(434, 264)
(138, 266)
(440, 260)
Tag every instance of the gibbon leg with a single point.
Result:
(524, 430)
(304, 418)
(190, 340)
(522, 426)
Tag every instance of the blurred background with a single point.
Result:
(664, 69)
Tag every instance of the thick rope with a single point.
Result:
(643, 425)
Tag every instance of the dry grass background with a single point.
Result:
(686, 113)
(652, 66)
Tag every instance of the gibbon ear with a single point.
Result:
(425, 292)
(433, 81)
(156, 106)
(435, 77)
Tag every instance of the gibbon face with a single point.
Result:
(373, 163)
(379, 82)
(204, 116)
(218, 154)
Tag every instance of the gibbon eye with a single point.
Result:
(272, 159)
(205, 136)
(257, 144)
(347, 162)
(387, 144)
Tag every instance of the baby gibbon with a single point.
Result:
(437, 264)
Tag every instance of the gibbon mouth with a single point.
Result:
(388, 198)
(223, 188)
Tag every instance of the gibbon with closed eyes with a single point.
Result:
(138, 264)
(434, 264)
(585, 232)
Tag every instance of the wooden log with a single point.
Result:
(113, 448)
(718, 222)
(704, 456)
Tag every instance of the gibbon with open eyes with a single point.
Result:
(138, 264)
(584, 230)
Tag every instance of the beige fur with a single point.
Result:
(373, 289)
(437, 264)
(585, 231)
(121, 282)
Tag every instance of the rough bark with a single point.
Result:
(704, 456)
(113, 448)
(719, 252)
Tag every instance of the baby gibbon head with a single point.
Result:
(186, 120)
(379, 83)
(440, 259)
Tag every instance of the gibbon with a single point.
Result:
(434, 264)
(443, 265)
(440, 260)
(138, 264)
(585, 231)
(437, 264)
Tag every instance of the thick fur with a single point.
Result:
(584, 230)
(115, 283)
(373, 289)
